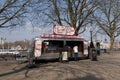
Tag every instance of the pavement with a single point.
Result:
(106, 68)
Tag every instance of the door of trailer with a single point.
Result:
(37, 47)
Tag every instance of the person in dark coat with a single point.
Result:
(98, 48)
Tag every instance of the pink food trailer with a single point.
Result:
(50, 46)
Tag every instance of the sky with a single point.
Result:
(28, 32)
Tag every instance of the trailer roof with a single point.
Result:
(61, 37)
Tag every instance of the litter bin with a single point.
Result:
(93, 54)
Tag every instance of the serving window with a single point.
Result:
(52, 46)
(80, 45)
(56, 46)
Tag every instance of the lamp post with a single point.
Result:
(93, 55)
(3, 42)
(91, 43)
(105, 50)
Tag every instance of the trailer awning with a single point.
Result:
(61, 37)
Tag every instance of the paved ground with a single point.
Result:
(106, 68)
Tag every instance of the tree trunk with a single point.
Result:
(111, 44)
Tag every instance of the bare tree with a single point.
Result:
(74, 13)
(107, 17)
(12, 12)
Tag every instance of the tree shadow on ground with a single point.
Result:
(16, 71)
(25, 68)
(87, 77)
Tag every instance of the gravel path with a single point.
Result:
(106, 68)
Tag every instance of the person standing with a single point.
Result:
(75, 49)
(98, 48)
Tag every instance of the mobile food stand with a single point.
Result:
(59, 45)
